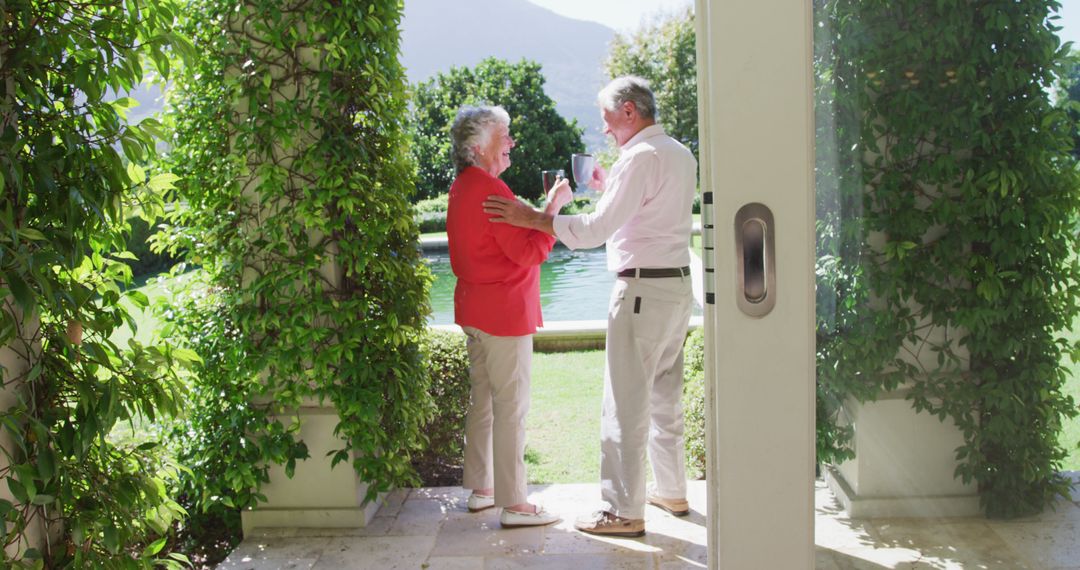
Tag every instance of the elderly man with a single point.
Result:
(644, 215)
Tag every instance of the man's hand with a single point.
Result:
(514, 212)
(599, 178)
(509, 211)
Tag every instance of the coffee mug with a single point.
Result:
(583, 165)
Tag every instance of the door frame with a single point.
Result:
(755, 85)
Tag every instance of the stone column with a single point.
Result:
(16, 359)
(316, 495)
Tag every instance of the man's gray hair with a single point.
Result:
(629, 88)
(472, 128)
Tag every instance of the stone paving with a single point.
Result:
(431, 529)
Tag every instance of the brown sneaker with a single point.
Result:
(604, 523)
(677, 507)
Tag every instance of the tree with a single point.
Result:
(72, 170)
(1067, 95)
(545, 140)
(664, 53)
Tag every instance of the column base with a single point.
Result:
(348, 517)
(941, 506)
(317, 495)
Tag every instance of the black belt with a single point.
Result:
(656, 272)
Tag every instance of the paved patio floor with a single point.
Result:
(431, 529)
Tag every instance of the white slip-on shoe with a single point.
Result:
(478, 503)
(514, 519)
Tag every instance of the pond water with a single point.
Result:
(574, 286)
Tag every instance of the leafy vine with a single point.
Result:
(294, 200)
(948, 246)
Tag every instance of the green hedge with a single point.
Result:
(448, 365)
(431, 222)
(694, 402)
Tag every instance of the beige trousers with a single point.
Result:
(499, 369)
(643, 378)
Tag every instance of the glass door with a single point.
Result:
(903, 166)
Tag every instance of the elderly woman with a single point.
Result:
(497, 304)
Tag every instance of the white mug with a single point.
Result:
(583, 166)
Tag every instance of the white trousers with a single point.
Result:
(499, 368)
(643, 378)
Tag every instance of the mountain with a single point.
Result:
(440, 34)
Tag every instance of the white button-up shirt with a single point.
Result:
(644, 213)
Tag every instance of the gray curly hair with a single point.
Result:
(629, 88)
(472, 128)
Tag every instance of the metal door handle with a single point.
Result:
(755, 259)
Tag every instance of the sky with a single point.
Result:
(622, 15)
(1070, 22)
(626, 15)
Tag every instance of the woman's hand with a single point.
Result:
(559, 196)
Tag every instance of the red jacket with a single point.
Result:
(497, 265)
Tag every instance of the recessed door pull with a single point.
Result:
(755, 257)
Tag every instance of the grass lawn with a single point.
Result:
(563, 425)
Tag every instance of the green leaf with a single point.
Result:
(31, 234)
(125, 103)
(43, 499)
(46, 462)
(111, 539)
(163, 182)
(136, 173)
(154, 547)
(138, 298)
(186, 355)
(23, 296)
(18, 491)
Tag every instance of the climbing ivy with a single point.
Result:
(72, 171)
(948, 242)
(294, 200)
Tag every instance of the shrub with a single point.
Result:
(148, 262)
(431, 222)
(694, 402)
(578, 205)
(431, 205)
(226, 441)
(448, 364)
(73, 170)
